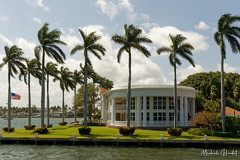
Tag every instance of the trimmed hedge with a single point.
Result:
(126, 130)
(174, 131)
(41, 130)
(29, 127)
(223, 134)
(200, 131)
(84, 130)
(62, 123)
(8, 129)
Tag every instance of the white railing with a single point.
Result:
(121, 107)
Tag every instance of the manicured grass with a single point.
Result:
(105, 132)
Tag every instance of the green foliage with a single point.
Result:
(29, 127)
(92, 100)
(174, 131)
(223, 134)
(208, 84)
(8, 129)
(127, 130)
(233, 124)
(62, 123)
(84, 130)
(41, 130)
(200, 131)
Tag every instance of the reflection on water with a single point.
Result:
(35, 152)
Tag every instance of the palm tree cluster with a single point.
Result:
(132, 39)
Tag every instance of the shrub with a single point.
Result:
(8, 129)
(174, 131)
(232, 124)
(84, 130)
(126, 130)
(29, 127)
(49, 126)
(41, 130)
(223, 134)
(200, 131)
(207, 120)
(62, 123)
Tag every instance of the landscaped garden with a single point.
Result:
(105, 132)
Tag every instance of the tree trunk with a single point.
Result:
(175, 97)
(75, 107)
(222, 91)
(43, 90)
(9, 98)
(29, 100)
(129, 91)
(85, 91)
(48, 100)
(63, 109)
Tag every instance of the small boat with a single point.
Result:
(36, 116)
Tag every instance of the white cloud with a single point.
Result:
(5, 40)
(38, 3)
(227, 68)
(4, 19)
(27, 47)
(183, 73)
(38, 20)
(113, 7)
(160, 37)
(202, 26)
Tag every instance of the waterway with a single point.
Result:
(47, 152)
(20, 122)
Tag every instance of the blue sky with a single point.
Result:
(20, 21)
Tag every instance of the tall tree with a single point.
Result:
(226, 30)
(32, 68)
(50, 70)
(93, 98)
(49, 41)
(77, 79)
(65, 78)
(131, 39)
(15, 61)
(177, 48)
(90, 44)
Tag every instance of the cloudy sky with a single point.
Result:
(20, 21)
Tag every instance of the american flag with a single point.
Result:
(15, 96)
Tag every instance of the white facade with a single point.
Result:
(151, 106)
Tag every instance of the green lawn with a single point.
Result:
(104, 132)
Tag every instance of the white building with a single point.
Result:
(151, 106)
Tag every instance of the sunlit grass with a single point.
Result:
(105, 132)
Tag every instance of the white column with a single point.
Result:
(193, 108)
(138, 111)
(186, 111)
(181, 112)
(113, 112)
(167, 111)
(144, 112)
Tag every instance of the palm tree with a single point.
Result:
(89, 45)
(77, 79)
(32, 68)
(66, 80)
(14, 60)
(132, 39)
(50, 70)
(226, 30)
(49, 41)
(177, 48)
